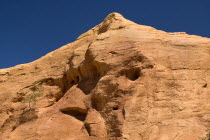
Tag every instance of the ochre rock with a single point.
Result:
(118, 81)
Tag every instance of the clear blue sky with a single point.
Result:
(30, 29)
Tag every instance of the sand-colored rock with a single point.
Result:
(118, 81)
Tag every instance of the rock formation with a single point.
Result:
(118, 81)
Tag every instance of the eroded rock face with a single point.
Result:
(119, 80)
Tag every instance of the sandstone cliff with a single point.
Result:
(119, 80)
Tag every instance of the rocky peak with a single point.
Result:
(119, 80)
(112, 21)
(114, 16)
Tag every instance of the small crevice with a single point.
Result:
(88, 128)
(123, 113)
(205, 85)
(113, 52)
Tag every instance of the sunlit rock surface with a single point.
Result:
(118, 81)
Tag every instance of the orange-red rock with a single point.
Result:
(119, 80)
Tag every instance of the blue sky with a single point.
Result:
(30, 29)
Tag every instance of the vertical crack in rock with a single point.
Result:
(110, 99)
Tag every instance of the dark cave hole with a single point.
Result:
(88, 85)
(76, 114)
(72, 82)
(132, 74)
(115, 108)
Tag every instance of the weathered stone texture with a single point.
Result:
(119, 80)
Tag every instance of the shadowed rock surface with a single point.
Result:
(118, 81)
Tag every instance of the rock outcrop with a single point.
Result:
(119, 80)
